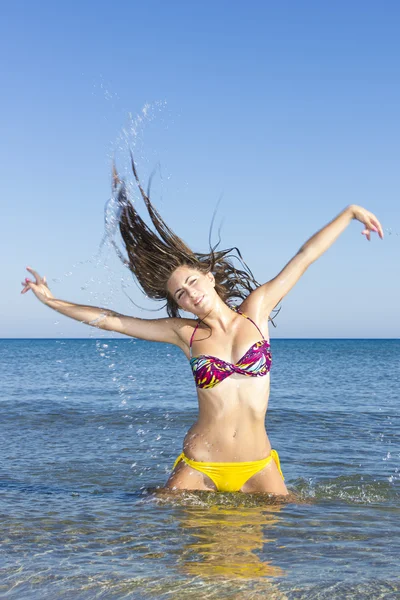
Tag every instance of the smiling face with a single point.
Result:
(192, 290)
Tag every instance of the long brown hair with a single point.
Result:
(154, 256)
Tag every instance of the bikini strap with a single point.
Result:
(192, 336)
(251, 320)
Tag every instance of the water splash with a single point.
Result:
(390, 232)
(349, 489)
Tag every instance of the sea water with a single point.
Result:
(89, 429)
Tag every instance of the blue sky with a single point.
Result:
(286, 111)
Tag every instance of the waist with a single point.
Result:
(227, 442)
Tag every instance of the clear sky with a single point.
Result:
(287, 111)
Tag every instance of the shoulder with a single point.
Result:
(253, 309)
(184, 329)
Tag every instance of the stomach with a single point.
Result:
(231, 422)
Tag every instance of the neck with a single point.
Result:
(219, 317)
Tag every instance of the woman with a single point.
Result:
(227, 449)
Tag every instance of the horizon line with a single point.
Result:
(126, 339)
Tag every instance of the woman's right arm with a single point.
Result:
(158, 330)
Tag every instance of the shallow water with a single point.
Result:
(90, 429)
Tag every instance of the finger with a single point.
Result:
(27, 284)
(378, 227)
(35, 274)
(374, 228)
(44, 280)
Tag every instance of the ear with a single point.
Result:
(211, 278)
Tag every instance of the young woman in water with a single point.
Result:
(227, 448)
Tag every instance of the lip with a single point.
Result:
(198, 301)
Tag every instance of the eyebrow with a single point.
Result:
(179, 289)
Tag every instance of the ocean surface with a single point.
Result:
(89, 429)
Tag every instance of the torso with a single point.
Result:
(231, 422)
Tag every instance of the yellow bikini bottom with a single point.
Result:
(230, 476)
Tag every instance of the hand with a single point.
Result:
(39, 286)
(369, 220)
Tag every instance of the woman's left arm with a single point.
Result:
(267, 296)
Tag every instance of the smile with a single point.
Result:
(198, 301)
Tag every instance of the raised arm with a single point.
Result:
(264, 299)
(158, 330)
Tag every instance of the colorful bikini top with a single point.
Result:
(208, 370)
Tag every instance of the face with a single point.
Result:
(192, 290)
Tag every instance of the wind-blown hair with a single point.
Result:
(154, 256)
